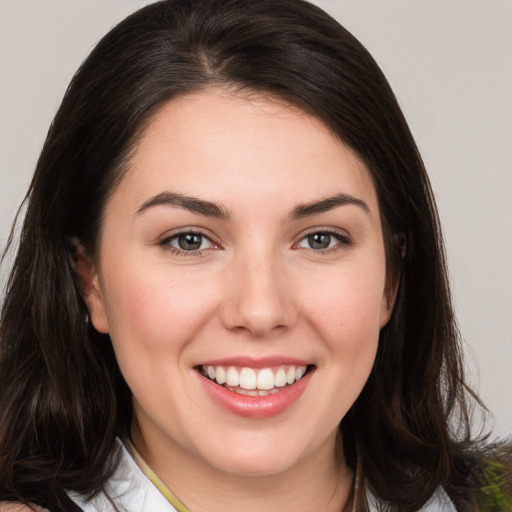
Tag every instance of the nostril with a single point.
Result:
(257, 319)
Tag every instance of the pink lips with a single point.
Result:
(255, 406)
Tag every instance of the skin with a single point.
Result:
(255, 288)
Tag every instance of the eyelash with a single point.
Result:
(343, 241)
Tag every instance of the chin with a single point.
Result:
(257, 456)
(255, 467)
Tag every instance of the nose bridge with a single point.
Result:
(259, 300)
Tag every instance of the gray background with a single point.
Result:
(450, 64)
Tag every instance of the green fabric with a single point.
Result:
(164, 490)
(494, 496)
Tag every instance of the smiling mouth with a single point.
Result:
(255, 381)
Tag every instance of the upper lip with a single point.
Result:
(256, 362)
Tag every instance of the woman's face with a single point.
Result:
(242, 248)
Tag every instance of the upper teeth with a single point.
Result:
(249, 378)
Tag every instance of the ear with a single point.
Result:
(90, 287)
(393, 280)
(388, 300)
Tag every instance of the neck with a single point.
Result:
(321, 481)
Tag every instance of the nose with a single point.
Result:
(259, 299)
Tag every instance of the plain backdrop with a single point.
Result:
(450, 64)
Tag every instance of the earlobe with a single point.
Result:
(90, 287)
(388, 302)
(96, 306)
(393, 281)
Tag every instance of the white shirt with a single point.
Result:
(131, 491)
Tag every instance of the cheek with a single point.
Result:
(153, 317)
(346, 311)
(155, 311)
(349, 300)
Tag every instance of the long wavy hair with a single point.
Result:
(63, 400)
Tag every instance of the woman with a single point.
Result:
(230, 290)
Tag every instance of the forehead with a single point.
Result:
(216, 145)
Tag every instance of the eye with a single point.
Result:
(188, 242)
(323, 240)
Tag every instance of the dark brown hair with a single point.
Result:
(63, 400)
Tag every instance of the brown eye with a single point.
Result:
(319, 240)
(187, 242)
(324, 240)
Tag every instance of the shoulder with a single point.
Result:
(439, 502)
(128, 489)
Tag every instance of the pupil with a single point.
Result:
(319, 240)
(189, 242)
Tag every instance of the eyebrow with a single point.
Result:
(217, 211)
(192, 204)
(313, 208)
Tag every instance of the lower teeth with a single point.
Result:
(254, 392)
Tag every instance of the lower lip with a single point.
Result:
(256, 406)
